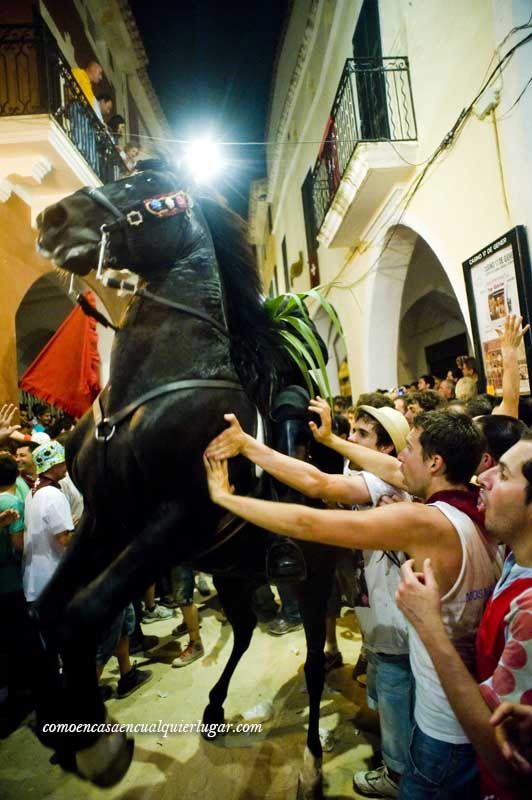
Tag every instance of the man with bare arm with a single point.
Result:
(441, 455)
(504, 639)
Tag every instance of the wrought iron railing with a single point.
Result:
(35, 78)
(373, 103)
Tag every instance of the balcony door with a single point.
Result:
(370, 77)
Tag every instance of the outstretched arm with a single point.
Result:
(293, 472)
(386, 467)
(411, 527)
(510, 337)
(418, 597)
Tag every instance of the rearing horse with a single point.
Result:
(195, 342)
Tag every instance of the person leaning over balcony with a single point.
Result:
(87, 77)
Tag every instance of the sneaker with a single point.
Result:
(333, 660)
(280, 626)
(132, 680)
(191, 653)
(156, 614)
(375, 783)
(203, 586)
(142, 645)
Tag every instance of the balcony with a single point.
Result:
(356, 167)
(46, 122)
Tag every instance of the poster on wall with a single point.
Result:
(499, 282)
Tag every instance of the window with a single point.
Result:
(371, 89)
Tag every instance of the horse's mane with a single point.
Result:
(257, 348)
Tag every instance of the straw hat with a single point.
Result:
(393, 422)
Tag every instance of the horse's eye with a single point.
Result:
(149, 180)
(129, 185)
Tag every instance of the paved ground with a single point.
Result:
(237, 767)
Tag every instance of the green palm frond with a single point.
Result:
(289, 313)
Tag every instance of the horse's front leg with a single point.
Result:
(314, 594)
(236, 598)
(104, 757)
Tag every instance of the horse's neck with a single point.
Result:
(157, 344)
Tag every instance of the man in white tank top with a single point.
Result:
(442, 453)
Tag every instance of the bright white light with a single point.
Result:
(204, 160)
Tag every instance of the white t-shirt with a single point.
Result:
(383, 625)
(46, 514)
(73, 495)
(462, 609)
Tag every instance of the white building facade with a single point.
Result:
(385, 150)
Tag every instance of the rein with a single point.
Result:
(101, 421)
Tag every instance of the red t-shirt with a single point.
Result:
(504, 652)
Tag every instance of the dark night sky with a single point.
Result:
(211, 66)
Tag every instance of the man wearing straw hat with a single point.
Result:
(442, 453)
(384, 630)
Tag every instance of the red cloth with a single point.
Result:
(67, 371)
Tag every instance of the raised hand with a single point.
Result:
(229, 443)
(418, 595)
(513, 731)
(512, 332)
(8, 516)
(322, 432)
(7, 412)
(217, 479)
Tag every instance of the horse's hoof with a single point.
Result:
(313, 791)
(310, 780)
(213, 718)
(106, 761)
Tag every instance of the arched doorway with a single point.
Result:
(415, 324)
(432, 330)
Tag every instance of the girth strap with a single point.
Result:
(174, 386)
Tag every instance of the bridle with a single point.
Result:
(129, 221)
(160, 206)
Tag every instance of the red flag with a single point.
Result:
(67, 371)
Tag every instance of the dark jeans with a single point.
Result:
(19, 643)
(438, 770)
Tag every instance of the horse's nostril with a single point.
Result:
(55, 216)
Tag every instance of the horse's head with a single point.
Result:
(148, 220)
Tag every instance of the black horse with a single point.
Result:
(195, 342)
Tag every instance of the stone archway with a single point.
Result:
(412, 306)
(385, 286)
(430, 314)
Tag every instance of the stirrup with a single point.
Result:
(285, 562)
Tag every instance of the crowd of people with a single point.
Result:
(442, 488)
(39, 509)
(436, 562)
